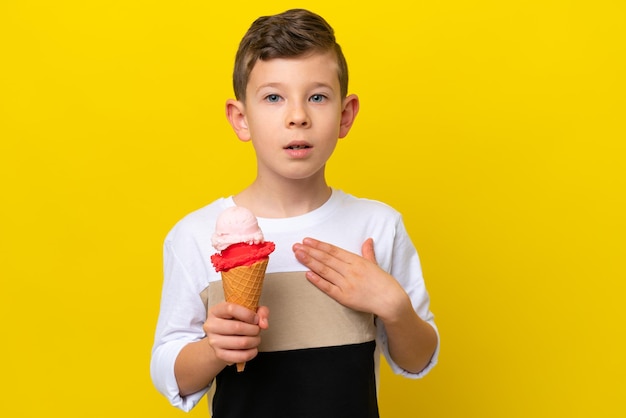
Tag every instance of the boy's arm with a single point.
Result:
(411, 340)
(196, 366)
(232, 336)
(359, 283)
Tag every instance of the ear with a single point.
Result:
(236, 115)
(348, 114)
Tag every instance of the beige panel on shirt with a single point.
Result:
(302, 316)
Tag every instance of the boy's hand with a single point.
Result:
(234, 331)
(352, 280)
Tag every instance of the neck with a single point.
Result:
(287, 200)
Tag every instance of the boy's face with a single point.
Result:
(294, 115)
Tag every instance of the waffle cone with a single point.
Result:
(242, 285)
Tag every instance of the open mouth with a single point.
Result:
(298, 147)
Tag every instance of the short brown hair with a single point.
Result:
(290, 34)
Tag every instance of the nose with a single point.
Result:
(298, 117)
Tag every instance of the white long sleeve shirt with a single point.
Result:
(344, 220)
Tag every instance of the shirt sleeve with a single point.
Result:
(181, 317)
(406, 268)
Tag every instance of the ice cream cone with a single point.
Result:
(242, 285)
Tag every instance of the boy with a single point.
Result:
(333, 303)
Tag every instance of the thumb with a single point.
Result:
(263, 313)
(367, 250)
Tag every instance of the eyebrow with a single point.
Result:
(278, 84)
(266, 85)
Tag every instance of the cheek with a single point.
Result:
(260, 119)
(257, 123)
(334, 128)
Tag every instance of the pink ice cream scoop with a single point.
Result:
(238, 239)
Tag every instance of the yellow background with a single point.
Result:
(495, 127)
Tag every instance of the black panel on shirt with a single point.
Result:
(328, 382)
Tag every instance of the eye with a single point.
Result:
(272, 98)
(317, 98)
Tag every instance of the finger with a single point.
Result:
(317, 261)
(367, 250)
(236, 349)
(230, 327)
(227, 310)
(325, 248)
(324, 258)
(263, 314)
(322, 284)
